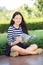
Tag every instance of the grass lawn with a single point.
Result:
(39, 37)
(38, 33)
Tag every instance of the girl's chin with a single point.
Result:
(18, 24)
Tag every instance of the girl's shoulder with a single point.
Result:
(10, 27)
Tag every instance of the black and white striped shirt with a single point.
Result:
(13, 33)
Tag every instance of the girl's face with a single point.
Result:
(17, 19)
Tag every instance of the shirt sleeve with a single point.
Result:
(10, 32)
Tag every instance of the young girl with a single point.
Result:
(16, 28)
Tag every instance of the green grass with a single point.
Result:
(3, 43)
(39, 37)
(3, 38)
(38, 33)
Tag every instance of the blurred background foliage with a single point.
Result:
(33, 16)
(30, 14)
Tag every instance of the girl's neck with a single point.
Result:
(16, 26)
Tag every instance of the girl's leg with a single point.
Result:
(26, 51)
(32, 47)
(21, 51)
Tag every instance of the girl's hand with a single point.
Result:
(26, 40)
(19, 39)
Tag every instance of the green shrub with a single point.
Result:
(37, 41)
(3, 28)
(3, 48)
(35, 26)
(30, 26)
(3, 43)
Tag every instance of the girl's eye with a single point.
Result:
(18, 18)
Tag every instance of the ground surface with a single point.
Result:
(22, 60)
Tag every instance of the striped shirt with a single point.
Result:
(13, 33)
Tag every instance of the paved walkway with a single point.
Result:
(22, 60)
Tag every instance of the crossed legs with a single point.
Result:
(30, 50)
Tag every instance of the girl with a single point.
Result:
(15, 47)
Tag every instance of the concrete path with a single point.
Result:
(22, 60)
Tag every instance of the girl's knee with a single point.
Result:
(34, 45)
(14, 48)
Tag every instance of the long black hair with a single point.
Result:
(23, 24)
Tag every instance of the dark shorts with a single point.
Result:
(8, 49)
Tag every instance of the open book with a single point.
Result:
(26, 36)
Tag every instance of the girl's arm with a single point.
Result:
(10, 37)
(19, 39)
